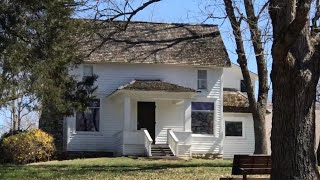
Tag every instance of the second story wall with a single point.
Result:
(232, 77)
(111, 76)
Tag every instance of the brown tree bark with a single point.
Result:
(318, 155)
(257, 107)
(294, 76)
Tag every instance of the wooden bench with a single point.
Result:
(250, 165)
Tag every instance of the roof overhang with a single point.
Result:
(155, 95)
(153, 89)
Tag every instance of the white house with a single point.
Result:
(163, 90)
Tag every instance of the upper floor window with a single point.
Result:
(243, 87)
(202, 117)
(87, 70)
(233, 128)
(202, 79)
(89, 119)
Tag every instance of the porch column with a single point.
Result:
(187, 115)
(127, 113)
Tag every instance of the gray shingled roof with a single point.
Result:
(156, 43)
(235, 101)
(154, 85)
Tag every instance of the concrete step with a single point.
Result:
(164, 157)
(161, 150)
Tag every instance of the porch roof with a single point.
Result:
(235, 101)
(154, 85)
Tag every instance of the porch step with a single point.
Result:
(161, 151)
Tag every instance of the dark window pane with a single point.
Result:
(202, 122)
(243, 87)
(202, 79)
(202, 74)
(233, 128)
(202, 84)
(88, 120)
(94, 103)
(202, 106)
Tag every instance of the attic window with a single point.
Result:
(87, 70)
(243, 87)
(202, 79)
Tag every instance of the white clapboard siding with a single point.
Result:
(211, 144)
(134, 150)
(118, 144)
(232, 77)
(168, 114)
(239, 145)
(204, 144)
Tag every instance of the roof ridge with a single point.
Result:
(150, 22)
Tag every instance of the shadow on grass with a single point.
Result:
(59, 171)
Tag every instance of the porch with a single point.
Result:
(155, 119)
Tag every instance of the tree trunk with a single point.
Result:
(260, 135)
(15, 124)
(293, 126)
(318, 155)
(294, 76)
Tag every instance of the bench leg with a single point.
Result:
(244, 177)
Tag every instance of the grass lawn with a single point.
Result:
(120, 168)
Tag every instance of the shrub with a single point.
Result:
(27, 147)
(3, 157)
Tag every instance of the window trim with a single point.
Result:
(89, 132)
(198, 79)
(235, 137)
(208, 111)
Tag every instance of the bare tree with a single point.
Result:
(257, 105)
(294, 76)
(20, 114)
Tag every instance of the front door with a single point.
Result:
(146, 117)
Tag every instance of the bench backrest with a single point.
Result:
(252, 164)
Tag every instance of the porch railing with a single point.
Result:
(173, 142)
(147, 142)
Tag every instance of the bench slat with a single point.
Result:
(251, 164)
(256, 170)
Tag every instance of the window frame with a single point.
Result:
(99, 123)
(234, 121)
(87, 66)
(243, 87)
(206, 111)
(204, 80)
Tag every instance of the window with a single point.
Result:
(202, 79)
(233, 128)
(87, 70)
(90, 118)
(202, 117)
(243, 87)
